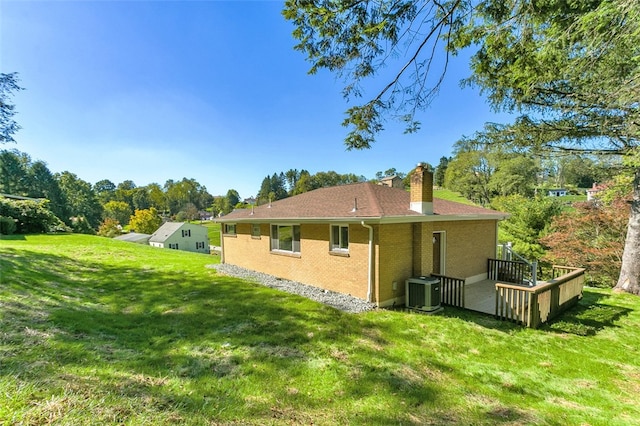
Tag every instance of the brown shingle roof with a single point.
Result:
(338, 202)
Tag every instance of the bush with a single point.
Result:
(81, 225)
(109, 228)
(30, 216)
(7, 225)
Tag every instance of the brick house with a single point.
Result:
(363, 239)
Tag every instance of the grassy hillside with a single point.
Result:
(213, 230)
(446, 194)
(96, 331)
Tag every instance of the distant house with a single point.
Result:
(592, 193)
(559, 192)
(181, 236)
(134, 237)
(392, 181)
(363, 239)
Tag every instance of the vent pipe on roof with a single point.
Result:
(355, 205)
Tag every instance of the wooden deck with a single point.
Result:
(481, 296)
(530, 306)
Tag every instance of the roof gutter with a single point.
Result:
(370, 270)
(372, 219)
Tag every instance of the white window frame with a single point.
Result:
(340, 245)
(275, 243)
(254, 227)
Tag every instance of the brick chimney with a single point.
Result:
(422, 190)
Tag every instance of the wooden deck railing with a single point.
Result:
(451, 291)
(507, 270)
(533, 306)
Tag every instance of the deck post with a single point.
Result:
(534, 273)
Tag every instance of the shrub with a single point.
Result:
(30, 216)
(80, 225)
(109, 228)
(7, 225)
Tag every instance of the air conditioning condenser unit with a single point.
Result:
(422, 293)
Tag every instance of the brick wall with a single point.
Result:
(395, 260)
(468, 246)
(315, 265)
(400, 252)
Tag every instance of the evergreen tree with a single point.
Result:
(8, 126)
(438, 176)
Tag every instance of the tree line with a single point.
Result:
(481, 172)
(83, 207)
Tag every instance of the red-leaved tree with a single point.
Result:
(591, 236)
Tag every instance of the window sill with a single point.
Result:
(253, 237)
(230, 235)
(339, 253)
(285, 253)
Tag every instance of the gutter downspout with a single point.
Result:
(370, 272)
(221, 243)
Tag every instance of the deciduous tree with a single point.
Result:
(590, 236)
(82, 201)
(117, 210)
(145, 221)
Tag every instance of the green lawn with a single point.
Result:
(213, 230)
(97, 331)
(446, 194)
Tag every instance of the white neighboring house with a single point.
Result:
(181, 236)
(557, 192)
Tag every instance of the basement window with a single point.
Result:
(339, 238)
(285, 238)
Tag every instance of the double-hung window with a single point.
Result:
(285, 238)
(340, 238)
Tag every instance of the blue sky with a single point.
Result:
(209, 90)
